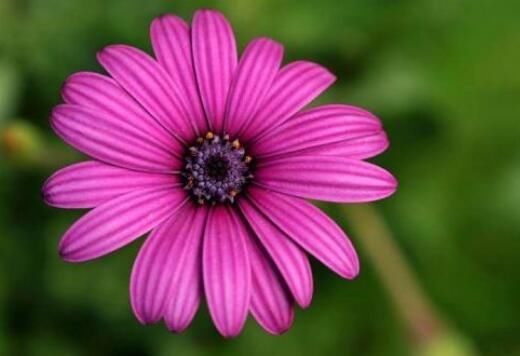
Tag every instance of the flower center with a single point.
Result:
(216, 169)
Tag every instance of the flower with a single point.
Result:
(214, 156)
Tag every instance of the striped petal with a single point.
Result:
(215, 60)
(316, 128)
(118, 222)
(226, 270)
(290, 260)
(335, 179)
(102, 93)
(258, 67)
(171, 43)
(166, 279)
(311, 229)
(111, 141)
(150, 84)
(271, 303)
(89, 184)
(295, 86)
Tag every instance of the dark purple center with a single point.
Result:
(216, 169)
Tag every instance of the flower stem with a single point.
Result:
(427, 329)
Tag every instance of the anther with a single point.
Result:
(235, 144)
(209, 135)
(248, 159)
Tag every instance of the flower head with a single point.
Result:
(214, 156)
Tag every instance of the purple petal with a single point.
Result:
(316, 128)
(172, 46)
(258, 67)
(102, 93)
(215, 60)
(111, 141)
(271, 303)
(295, 86)
(357, 148)
(226, 270)
(166, 279)
(311, 229)
(150, 84)
(290, 260)
(89, 184)
(118, 222)
(328, 178)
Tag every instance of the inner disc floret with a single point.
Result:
(216, 170)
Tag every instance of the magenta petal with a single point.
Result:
(118, 222)
(172, 46)
(166, 278)
(328, 178)
(271, 303)
(311, 229)
(102, 93)
(89, 184)
(295, 86)
(315, 128)
(226, 270)
(258, 67)
(150, 84)
(357, 148)
(215, 60)
(290, 260)
(111, 141)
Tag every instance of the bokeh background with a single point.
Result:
(439, 277)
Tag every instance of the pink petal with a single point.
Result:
(357, 148)
(271, 303)
(311, 229)
(215, 60)
(226, 270)
(118, 222)
(89, 184)
(150, 84)
(166, 278)
(328, 178)
(102, 93)
(111, 141)
(295, 86)
(172, 46)
(315, 128)
(290, 260)
(258, 67)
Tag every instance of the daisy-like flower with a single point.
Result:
(215, 156)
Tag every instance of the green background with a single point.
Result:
(444, 77)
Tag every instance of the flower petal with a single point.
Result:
(271, 302)
(172, 46)
(118, 222)
(215, 60)
(102, 93)
(226, 270)
(357, 148)
(311, 229)
(111, 141)
(89, 184)
(258, 67)
(314, 128)
(328, 178)
(295, 86)
(290, 260)
(166, 272)
(150, 84)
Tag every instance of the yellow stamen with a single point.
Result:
(209, 135)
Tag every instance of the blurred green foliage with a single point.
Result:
(444, 77)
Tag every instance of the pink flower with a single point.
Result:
(215, 157)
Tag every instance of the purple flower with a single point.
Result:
(214, 156)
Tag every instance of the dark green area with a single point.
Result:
(443, 76)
